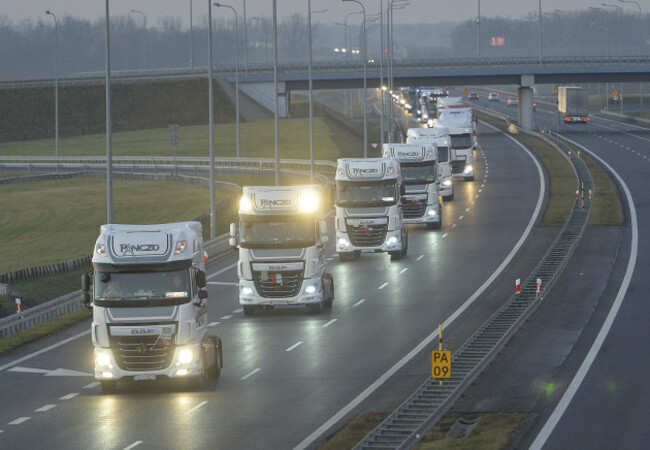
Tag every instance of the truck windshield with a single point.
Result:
(420, 174)
(136, 289)
(379, 193)
(461, 141)
(443, 154)
(277, 234)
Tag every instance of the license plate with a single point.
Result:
(144, 377)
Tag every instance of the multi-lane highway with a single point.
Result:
(291, 378)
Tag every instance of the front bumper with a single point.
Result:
(391, 243)
(106, 367)
(248, 295)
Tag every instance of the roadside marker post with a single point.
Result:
(518, 286)
(538, 288)
(19, 306)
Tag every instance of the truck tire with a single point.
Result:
(199, 381)
(469, 178)
(215, 370)
(328, 288)
(315, 308)
(249, 310)
(448, 198)
(108, 386)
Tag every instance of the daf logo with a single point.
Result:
(142, 331)
(360, 171)
(266, 203)
(278, 267)
(132, 248)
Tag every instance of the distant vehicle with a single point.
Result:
(534, 106)
(493, 97)
(573, 104)
(513, 101)
(472, 96)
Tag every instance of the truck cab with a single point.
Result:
(418, 163)
(440, 138)
(149, 305)
(281, 237)
(369, 216)
(459, 120)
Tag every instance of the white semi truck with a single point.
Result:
(459, 120)
(421, 200)
(149, 305)
(369, 215)
(281, 237)
(446, 154)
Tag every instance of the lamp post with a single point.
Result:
(245, 40)
(540, 31)
(221, 5)
(275, 93)
(382, 90)
(311, 91)
(144, 36)
(56, 83)
(109, 126)
(191, 38)
(213, 206)
(640, 45)
(620, 43)
(478, 31)
(365, 81)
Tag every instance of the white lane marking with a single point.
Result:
(92, 385)
(237, 311)
(330, 323)
(403, 270)
(383, 286)
(135, 444)
(69, 396)
(213, 324)
(419, 257)
(444, 235)
(580, 375)
(212, 275)
(50, 373)
(203, 403)
(226, 317)
(466, 209)
(223, 283)
(2, 431)
(359, 302)
(297, 344)
(453, 225)
(45, 408)
(461, 217)
(44, 350)
(19, 420)
(434, 335)
(245, 377)
(331, 258)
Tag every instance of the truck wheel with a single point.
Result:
(249, 310)
(405, 248)
(345, 257)
(215, 370)
(108, 386)
(328, 288)
(316, 308)
(199, 381)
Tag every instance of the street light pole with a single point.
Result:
(620, 43)
(109, 125)
(245, 40)
(540, 31)
(382, 90)
(311, 91)
(191, 38)
(218, 5)
(478, 31)
(640, 46)
(144, 36)
(365, 81)
(275, 93)
(56, 84)
(213, 206)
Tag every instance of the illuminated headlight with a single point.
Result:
(245, 290)
(185, 356)
(343, 243)
(447, 182)
(100, 249)
(468, 169)
(180, 246)
(310, 289)
(432, 212)
(245, 205)
(391, 240)
(182, 372)
(425, 116)
(103, 359)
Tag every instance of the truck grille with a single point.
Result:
(457, 166)
(367, 235)
(414, 207)
(278, 285)
(140, 353)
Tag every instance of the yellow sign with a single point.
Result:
(441, 364)
(555, 89)
(615, 92)
(466, 90)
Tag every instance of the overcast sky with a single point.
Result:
(417, 11)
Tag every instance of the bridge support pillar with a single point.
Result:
(526, 107)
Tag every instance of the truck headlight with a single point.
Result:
(447, 182)
(391, 240)
(103, 359)
(468, 169)
(185, 356)
(432, 212)
(245, 290)
(343, 243)
(310, 289)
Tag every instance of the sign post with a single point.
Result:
(440, 360)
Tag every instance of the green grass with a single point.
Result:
(354, 431)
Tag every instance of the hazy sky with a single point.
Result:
(417, 11)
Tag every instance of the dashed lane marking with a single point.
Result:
(250, 374)
(403, 270)
(330, 323)
(237, 311)
(223, 283)
(297, 344)
(203, 403)
(45, 408)
(419, 257)
(226, 317)
(383, 286)
(444, 235)
(19, 420)
(69, 396)
(359, 302)
(213, 324)
(135, 444)
(92, 385)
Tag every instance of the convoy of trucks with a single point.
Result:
(369, 215)
(149, 305)
(418, 163)
(573, 104)
(281, 237)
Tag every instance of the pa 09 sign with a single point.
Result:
(441, 364)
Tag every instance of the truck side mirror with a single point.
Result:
(200, 279)
(233, 230)
(85, 282)
(402, 190)
(203, 294)
(324, 239)
(323, 228)
(232, 242)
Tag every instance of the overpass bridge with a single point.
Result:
(522, 71)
